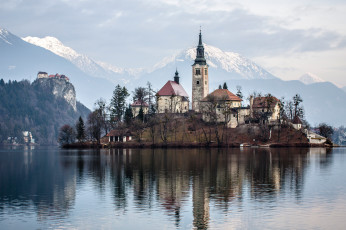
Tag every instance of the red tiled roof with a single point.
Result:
(297, 120)
(172, 88)
(261, 102)
(139, 103)
(223, 94)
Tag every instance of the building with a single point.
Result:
(58, 76)
(314, 138)
(172, 97)
(136, 107)
(28, 138)
(119, 136)
(222, 106)
(200, 80)
(297, 123)
(265, 108)
(42, 75)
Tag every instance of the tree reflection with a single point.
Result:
(151, 178)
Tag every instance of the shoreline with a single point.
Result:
(191, 145)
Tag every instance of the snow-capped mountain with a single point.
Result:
(310, 78)
(232, 64)
(235, 65)
(22, 60)
(83, 62)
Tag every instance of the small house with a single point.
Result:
(297, 123)
(136, 107)
(268, 107)
(119, 136)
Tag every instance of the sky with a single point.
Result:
(287, 38)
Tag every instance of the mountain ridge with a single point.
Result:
(29, 59)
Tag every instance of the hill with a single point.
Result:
(21, 60)
(41, 108)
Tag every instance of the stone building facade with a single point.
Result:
(136, 107)
(172, 97)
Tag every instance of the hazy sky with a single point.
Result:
(288, 38)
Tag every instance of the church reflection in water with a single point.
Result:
(167, 178)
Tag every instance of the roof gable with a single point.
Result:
(171, 88)
(223, 94)
(139, 103)
(262, 102)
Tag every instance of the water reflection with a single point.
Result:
(160, 179)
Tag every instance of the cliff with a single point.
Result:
(59, 87)
(40, 108)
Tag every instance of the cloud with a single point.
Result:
(133, 33)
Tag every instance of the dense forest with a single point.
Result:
(34, 108)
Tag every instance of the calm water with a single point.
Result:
(173, 189)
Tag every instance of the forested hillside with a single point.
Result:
(32, 107)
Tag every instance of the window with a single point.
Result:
(197, 82)
(205, 71)
(198, 71)
(205, 82)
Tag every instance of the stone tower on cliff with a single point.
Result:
(200, 80)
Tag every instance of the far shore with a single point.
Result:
(190, 145)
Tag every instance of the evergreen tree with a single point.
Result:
(220, 87)
(117, 105)
(151, 94)
(80, 127)
(141, 114)
(128, 115)
(152, 109)
(225, 86)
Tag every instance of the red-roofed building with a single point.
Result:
(223, 106)
(172, 97)
(137, 105)
(269, 105)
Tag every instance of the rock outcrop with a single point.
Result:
(60, 88)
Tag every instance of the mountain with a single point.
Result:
(223, 66)
(41, 108)
(22, 60)
(226, 64)
(344, 88)
(83, 62)
(310, 78)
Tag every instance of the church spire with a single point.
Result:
(200, 51)
(200, 38)
(176, 77)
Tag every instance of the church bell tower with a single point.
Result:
(200, 80)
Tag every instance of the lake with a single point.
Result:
(250, 188)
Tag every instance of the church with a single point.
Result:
(172, 97)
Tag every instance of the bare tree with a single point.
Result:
(67, 135)
(101, 106)
(152, 125)
(95, 121)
